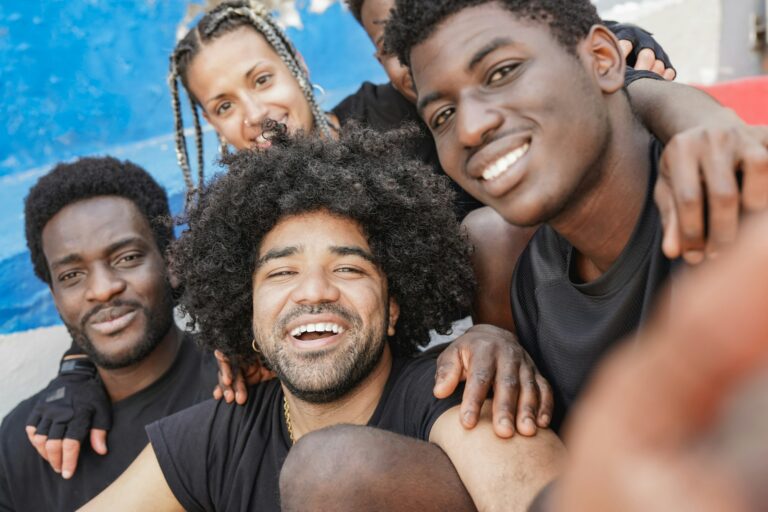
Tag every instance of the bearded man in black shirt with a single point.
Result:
(333, 275)
(96, 233)
(526, 103)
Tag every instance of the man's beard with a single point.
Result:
(159, 322)
(322, 377)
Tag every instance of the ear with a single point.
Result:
(394, 314)
(601, 49)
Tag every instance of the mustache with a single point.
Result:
(112, 304)
(317, 309)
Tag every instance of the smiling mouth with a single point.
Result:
(316, 335)
(114, 323)
(505, 163)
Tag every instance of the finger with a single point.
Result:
(70, 451)
(755, 187)
(99, 440)
(645, 60)
(669, 74)
(225, 368)
(505, 395)
(658, 67)
(665, 202)
(481, 370)
(53, 449)
(241, 392)
(37, 441)
(680, 163)
(626, 48)
(528, 403)
(448, 372)
(722, 199)
(217, 392)
(546, 402)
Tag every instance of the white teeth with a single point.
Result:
(317, 327)
(504, 163)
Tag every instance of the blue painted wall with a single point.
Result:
(87, 77)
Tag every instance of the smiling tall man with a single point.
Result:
(333, 275)
(526, 102)
(97, 230)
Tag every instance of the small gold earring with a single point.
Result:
(255, 347)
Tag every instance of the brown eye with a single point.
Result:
(223, 108)
(262, 80)
(442, 117)
(502, 72)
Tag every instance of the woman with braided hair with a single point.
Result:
(239, 67)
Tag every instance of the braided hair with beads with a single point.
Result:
(225, 18)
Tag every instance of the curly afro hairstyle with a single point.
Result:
(87, 178)
(403, 208)
(356, 8)
(414, 21)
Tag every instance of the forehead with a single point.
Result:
(94, 224)
(234, 52)
(373, 15)
(314, 231)
(462, 35)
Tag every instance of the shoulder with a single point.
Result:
(377, 105)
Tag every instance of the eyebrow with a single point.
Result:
(274, 254)
(351, 250)
(473, 62)
(487, 49)
(120, 244)
(246, 74)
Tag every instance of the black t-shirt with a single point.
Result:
(382, 108)
(218, 456)
(567, 326)
(27, 482)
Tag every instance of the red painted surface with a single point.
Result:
(748, 97)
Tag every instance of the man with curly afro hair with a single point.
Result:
(527, 104)
(329, 261)
(97, 230)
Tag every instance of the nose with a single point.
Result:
(476, 121)
(103, 285)
(315, 287)
(255, 112)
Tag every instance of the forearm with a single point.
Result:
(141, 487)
(667, 108)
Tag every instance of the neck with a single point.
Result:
(123, 382)
(355, 408)
(600, 221)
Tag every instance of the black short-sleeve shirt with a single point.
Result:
(219, 456)
(567, 326)
(28, 483)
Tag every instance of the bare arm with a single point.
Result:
(141, 487)
(500, 474)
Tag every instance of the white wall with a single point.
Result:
(28, 361)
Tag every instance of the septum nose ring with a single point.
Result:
(245, 122)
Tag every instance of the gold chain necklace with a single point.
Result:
(287, 414)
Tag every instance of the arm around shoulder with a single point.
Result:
(500, 474)
(141, 487)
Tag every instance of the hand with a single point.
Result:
(70, 407)
(488, 356)
(697, 190)
(642, 51)
(234, 380)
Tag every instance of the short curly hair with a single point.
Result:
(414, 21)
(356, 8)
(90, 177)
(403, 208)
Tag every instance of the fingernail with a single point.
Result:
(467, 417)
(694, 257)
(67, 474)
(545, 419)
(505, 422)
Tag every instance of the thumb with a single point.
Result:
(99, 440)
